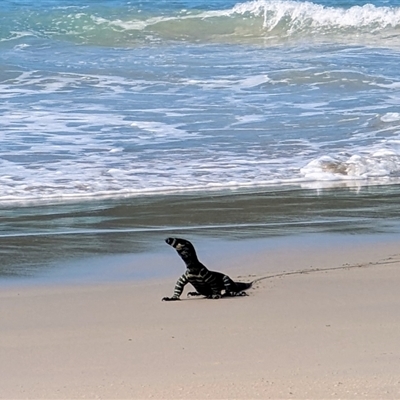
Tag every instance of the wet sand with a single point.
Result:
(37, 239)
(324, 324)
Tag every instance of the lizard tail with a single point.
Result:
(241, 286)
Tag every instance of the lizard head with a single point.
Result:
(184, 248)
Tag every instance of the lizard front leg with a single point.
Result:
(180, 284)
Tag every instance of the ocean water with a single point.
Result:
(110, 104)
(124, 98)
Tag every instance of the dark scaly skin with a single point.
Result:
(210, 284)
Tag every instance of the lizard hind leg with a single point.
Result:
(234, 289)
(229, 286)
(240, 294)
(193, 294)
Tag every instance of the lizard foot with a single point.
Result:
(234, 294)
(214, 296)
(193, 294)
(170, 299)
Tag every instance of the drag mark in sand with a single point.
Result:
(390, 260)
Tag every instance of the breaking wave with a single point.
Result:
(261, 20)
(383, 163)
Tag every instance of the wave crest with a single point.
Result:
(383, 163)
(248, 21)
(295, 16)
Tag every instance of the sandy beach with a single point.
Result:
(327, 328)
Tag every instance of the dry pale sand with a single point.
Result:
(322, 334)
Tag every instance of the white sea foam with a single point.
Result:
(391, 117)
(158, 132)
(379, 163)
(298, 15)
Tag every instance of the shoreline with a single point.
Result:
(251, 256)
(316, 334)
(36, 239)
